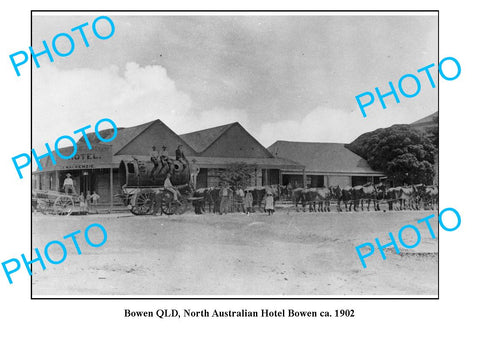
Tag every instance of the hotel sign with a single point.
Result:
(100, 156)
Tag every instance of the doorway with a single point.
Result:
(87, 181)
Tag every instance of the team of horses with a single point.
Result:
(360, 197)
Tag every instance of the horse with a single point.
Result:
(317, 195)
(323, 195)
(298, 196)
(431, 196)
(357, 196)
(409, 196)
(283, 192)
(418, 195)
(380, 194)
(213, 197)
(347, 197)
(200, 205)
(403, 196)
(336, 194)
(362, 193)
(369, 193)
(258, 193)
(391, 195)
(310, 198)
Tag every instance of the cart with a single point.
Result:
(150, 200)
(54, 202)
(143, 190)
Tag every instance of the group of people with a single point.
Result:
(243, 200)
(90, 199)
(162, 158)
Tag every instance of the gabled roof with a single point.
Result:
(124, 135)
(202, 139)
(127, 135)
(123, 138)
(323, 157)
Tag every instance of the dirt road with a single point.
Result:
(283, 254)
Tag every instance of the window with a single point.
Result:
(359, 180)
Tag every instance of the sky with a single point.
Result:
(283, 77)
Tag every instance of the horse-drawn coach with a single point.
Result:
(144, 190)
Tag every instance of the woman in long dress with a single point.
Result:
(269, 204)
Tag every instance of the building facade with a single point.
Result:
(213, 150)
(296, 163)
(222, 145)
(325, 164)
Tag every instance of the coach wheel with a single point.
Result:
(166, 203)
(63, 205)
(143, 204)
(168, 207)
(180, 209)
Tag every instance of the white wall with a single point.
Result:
(342, 181)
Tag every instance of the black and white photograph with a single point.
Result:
(236, 154)
(238, 170)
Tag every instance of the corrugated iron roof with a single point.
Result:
(124, 136)
(323, 157)
(202, 139)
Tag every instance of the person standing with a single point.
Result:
(269, 204)
(83, 205)
(154, 157)
(194, 170)
(240, 199)
(248, 202)
(223, 198)
(68, 185)
(95, 198)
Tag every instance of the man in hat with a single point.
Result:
(179, 155)
(95, 198)
(240, 196)
(164, 155)
(154, 156)
(169, 186)
(248, 201)
(224, 195)
(68, 185)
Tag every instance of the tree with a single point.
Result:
(238, 174)
(432, 132)
(403, 153)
